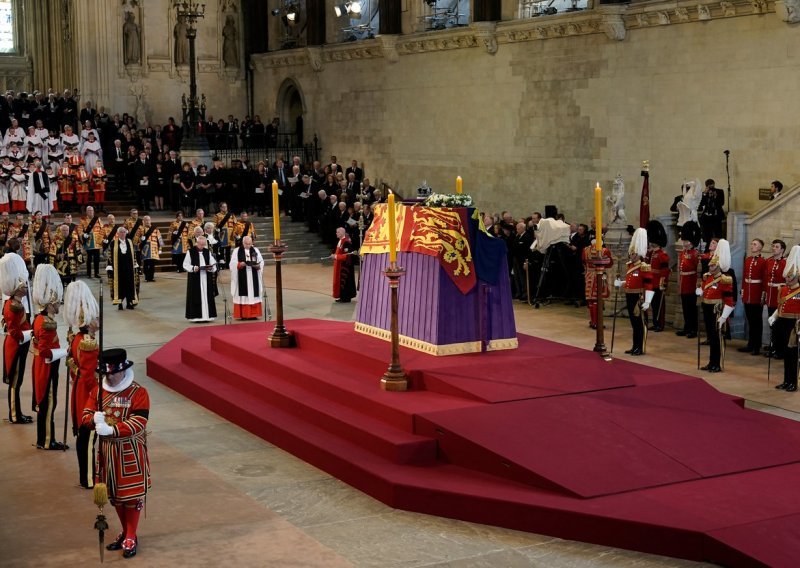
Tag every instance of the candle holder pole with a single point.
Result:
(280, 336)
(395, 378)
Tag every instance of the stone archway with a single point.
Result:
(291, 108)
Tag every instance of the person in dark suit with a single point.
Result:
(142, 172)
(712, 212)
(354, 169)
(88, 113)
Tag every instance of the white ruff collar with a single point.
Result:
(124, 383)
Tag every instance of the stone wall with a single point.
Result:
(151, 85)
(534, 112)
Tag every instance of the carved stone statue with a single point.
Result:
(230, 43)
(181, 43)
(131, 40)
(616, 201)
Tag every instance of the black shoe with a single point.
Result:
(116, 544)
(657, 329)
(706, 342)
(635, 351)
(777, 356)
(791, 388)
(53, 446)
(711, 368)
(21, 420)
(680, 333)
(756, 352)
(342, 300)
(129, 547)
(746, 349)
(781, 386)
(120, 307)
(691, 335)
(129, 306)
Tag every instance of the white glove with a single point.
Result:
(109, 268)
(618, 283)
(99, 417)
(726, 312)
(772, 319)
(104, 429)
(699, 292)
(57, 353)
(26, 336)
(648, 297)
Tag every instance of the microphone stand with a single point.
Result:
(728, 172)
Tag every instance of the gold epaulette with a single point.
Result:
(726, 279)
(16, 306)
(644, 267)
(49, 324)
(88, 344)
(73, 366)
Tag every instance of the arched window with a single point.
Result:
(8, 42)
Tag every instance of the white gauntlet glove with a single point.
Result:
(618, 283)
(726, 312)
(699, 292)
(99, 417)
(773, 318)
(648, 297)
(104, 429)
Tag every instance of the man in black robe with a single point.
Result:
(200, 265)
(122, 270)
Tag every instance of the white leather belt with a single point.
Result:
(749, 281)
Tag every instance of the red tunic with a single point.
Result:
(789, 303)
(82, 362)
(65, 183)
(16, 321)
(753, 279)
(589, 255)
(688, 265)
(99, 184)
(638, 277)
(773, 271)
(342, 268)
(45, 339)
(123, 462)
(659, 266)
(718, 289)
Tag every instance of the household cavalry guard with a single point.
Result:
(638, 284)
(787, 318)
(688, 268)
(14, 284)
(659, 267)
(82, 312)
(719, 299)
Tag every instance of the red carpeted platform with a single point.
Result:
(546, 438)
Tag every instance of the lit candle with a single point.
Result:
(392, 235)
(598, 217)
(276, 213)
(459, 184)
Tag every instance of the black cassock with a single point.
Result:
(199, 285)
(123, 274)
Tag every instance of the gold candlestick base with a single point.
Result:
(280, 336)
(394, 379)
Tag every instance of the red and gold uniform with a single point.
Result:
(82, 363)
(659, 266)
(15, 354)
(638, 281)
(688, 265)
(123, 463)
(590, 256)
(773, 276)
(22, 231)
(45, 378)
(788, 324)
(99, 176)
(82, 186)
(717, 293)
(753, 280)
(65, 189)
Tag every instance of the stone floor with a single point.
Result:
(224, 497)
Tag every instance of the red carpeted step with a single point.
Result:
(396, 444)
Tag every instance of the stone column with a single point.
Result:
(94, 58)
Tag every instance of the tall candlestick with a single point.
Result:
(598, 217)
(276, 213)
(392, 234)
(459, 184)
